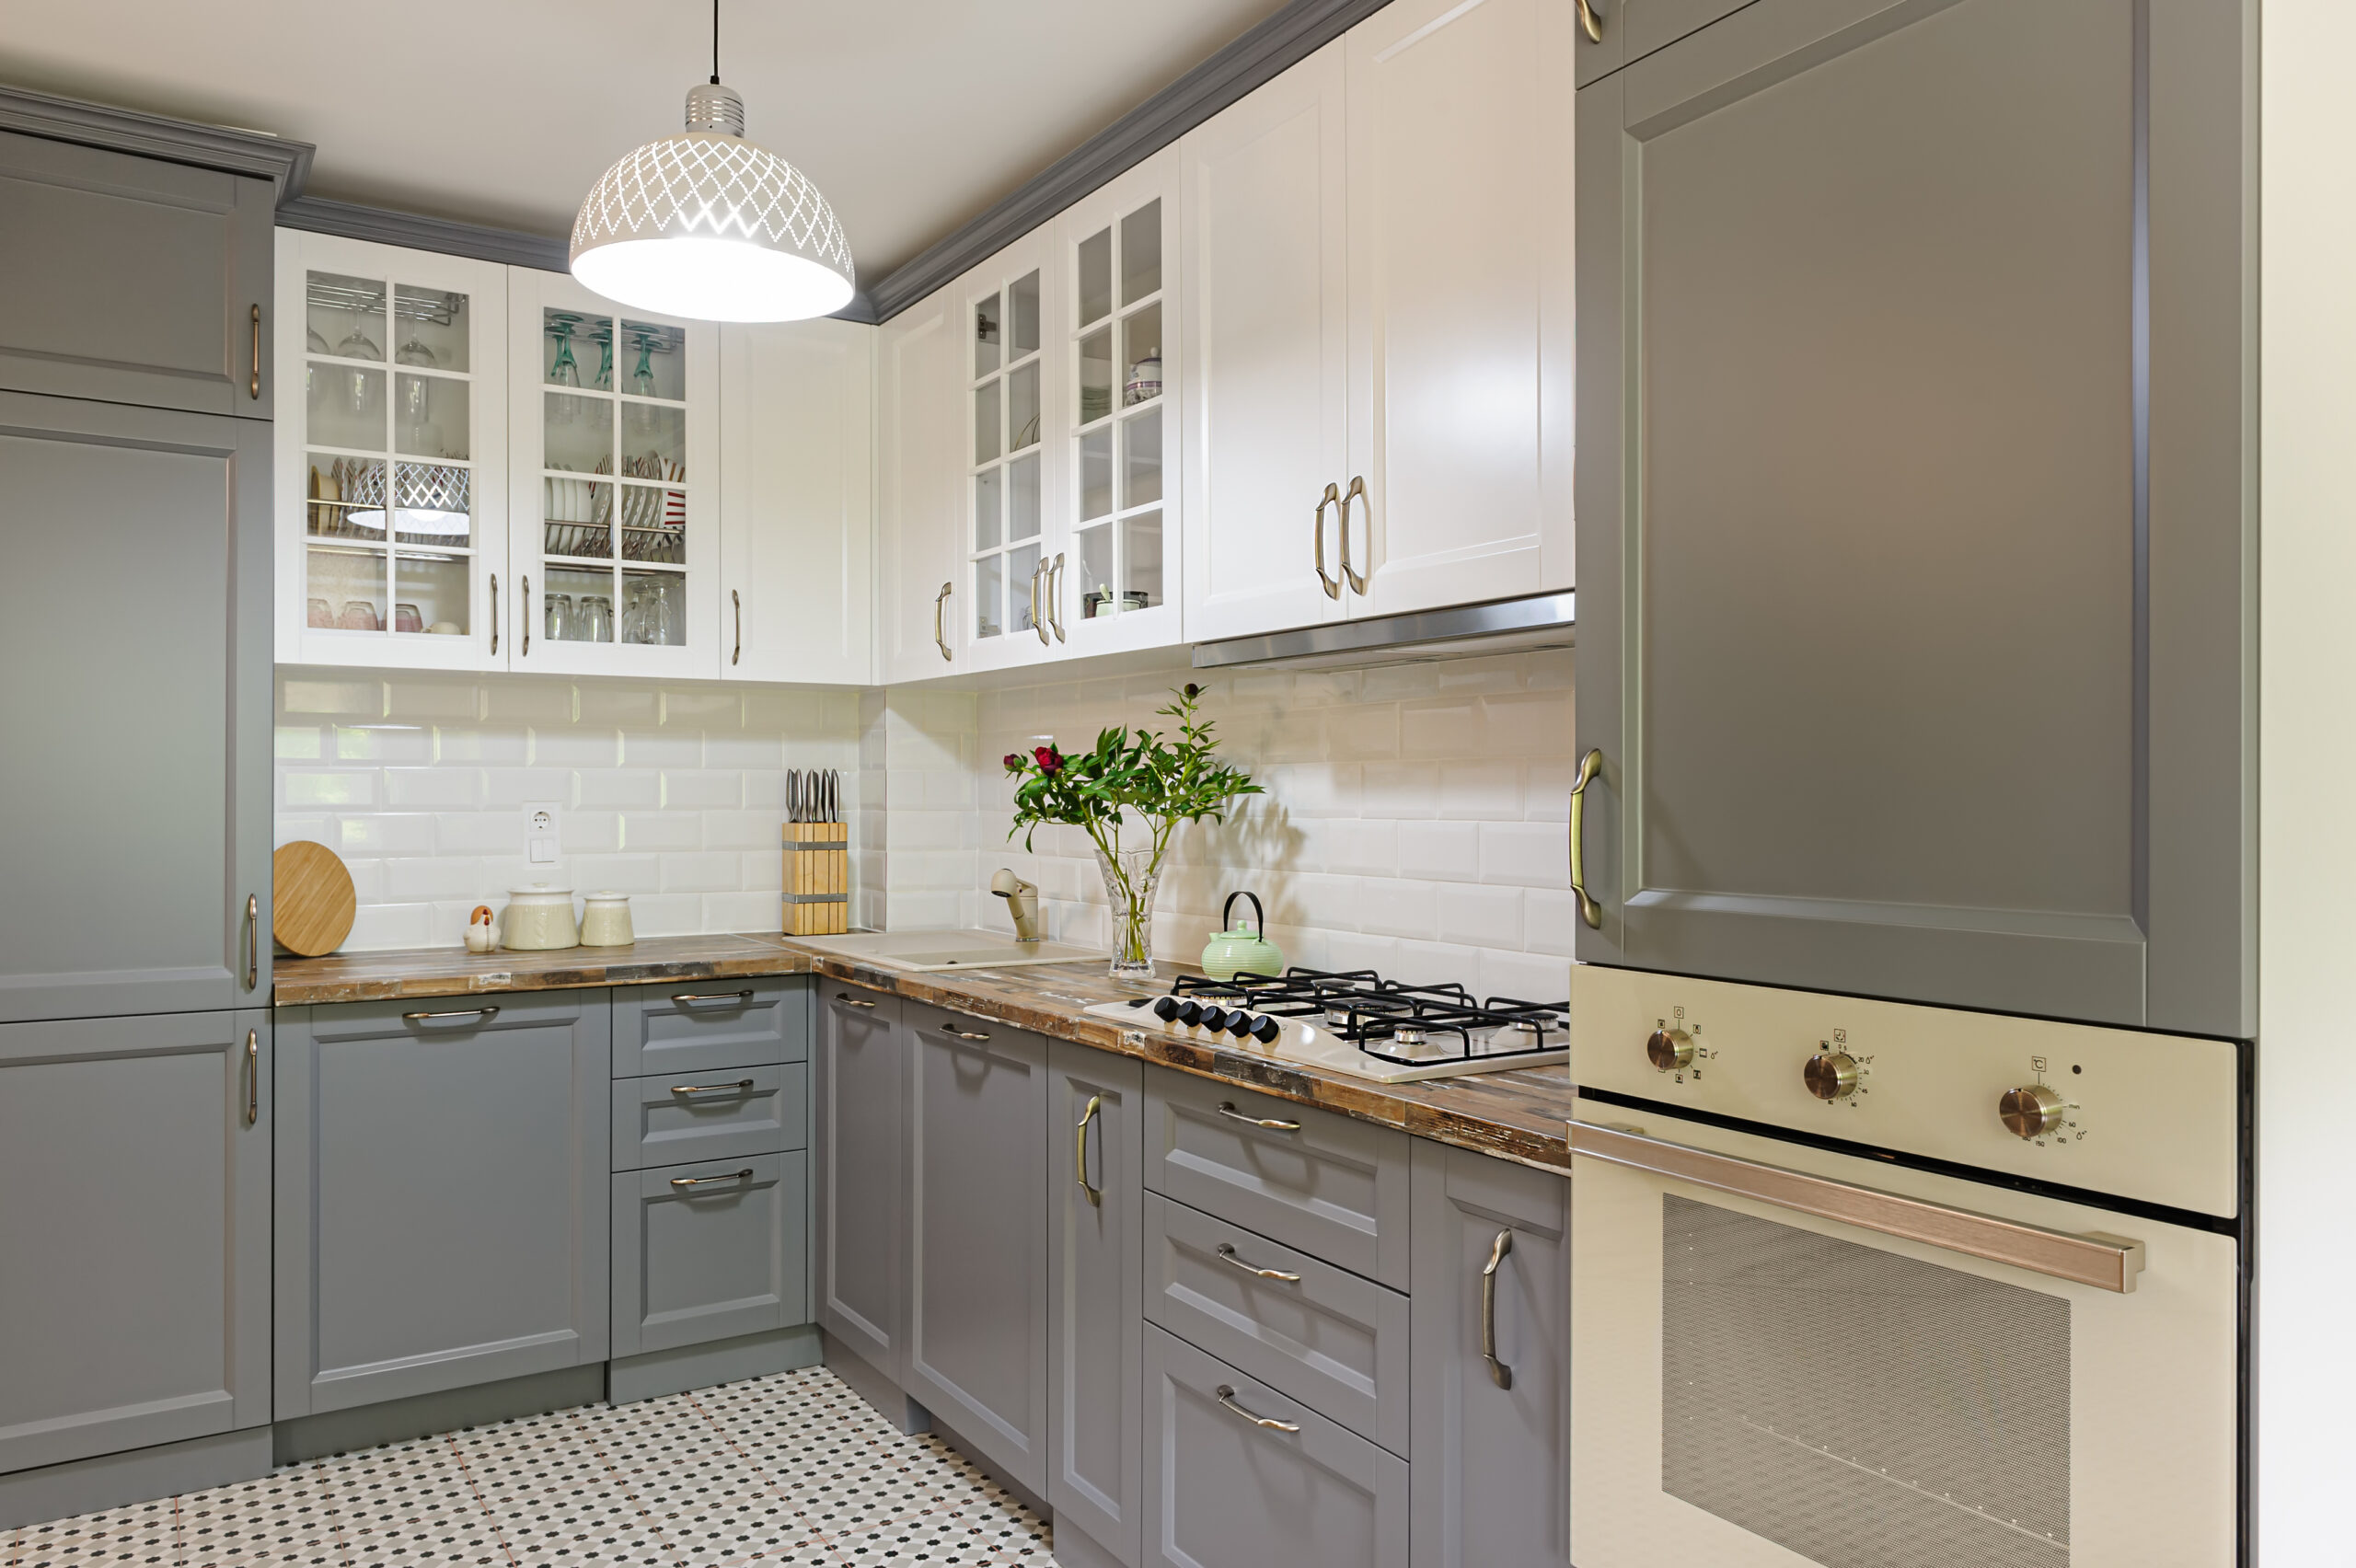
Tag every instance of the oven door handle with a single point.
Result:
(2106, 1263)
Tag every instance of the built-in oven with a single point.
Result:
(1865, 1285)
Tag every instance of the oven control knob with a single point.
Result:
(1831, 1075)
(1214, 1019)
(1266, 1029)
(1188, 1012)
(2031, 1110)
(1239, 1023)
(1670, 1049)
(1166, 1008)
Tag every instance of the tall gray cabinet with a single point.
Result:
(1915, 501)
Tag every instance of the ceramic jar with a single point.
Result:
(538, 918)
(604, 920)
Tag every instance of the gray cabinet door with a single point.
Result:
(709, 1252)
(710, 1025)
(442, 1191)
(1491, 1462)
(1095, 1183)
(134, 280)
(134, 780)
(1634, 28)
(977, 1235)
(1237, 1474)
(1915, 514)
(860, 1132)
(135, 1241)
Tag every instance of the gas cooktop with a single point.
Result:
(1354, 1022)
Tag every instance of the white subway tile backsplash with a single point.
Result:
(620, 789)
(661, 831)
(710, 871)
(1528, 854)
(696, 788)
(1439, 852)
(596, 747)
(382, 833)
(1480, 916)
(447, 788)
(469, 833)
(331, 789)
(411, 744)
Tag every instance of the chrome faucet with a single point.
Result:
(1022, 902)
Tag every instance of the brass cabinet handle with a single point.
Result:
(528, 617)
(1055, 596)
(937, 637)
(253, 387)
(1499, 1373)
(962, 1033)
(738, 652)
(690, 998)
(1037, 625)
(1095, 1195)
(693, 1181)
(253, 1076)
(1355, 492)
(494, 611)
(1333, 498)
(1227, 1109)
(1589, 910)
(253, 940)
(1591, 21)
(1227, 1397)
(1227, 1255)
(740, 1085)
(484, 1013)
(850, 1001)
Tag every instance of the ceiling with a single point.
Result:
(912, 115)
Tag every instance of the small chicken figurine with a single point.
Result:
(482, 934)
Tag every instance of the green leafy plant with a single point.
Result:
(1156, 778)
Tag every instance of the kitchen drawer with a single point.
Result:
(662, 1121)
(1333, 1188)
(695, 1026)
(1221, 1489)
(1319, 1333)
(710, 1251)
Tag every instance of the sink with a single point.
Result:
(928, 950)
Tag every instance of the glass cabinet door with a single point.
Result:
(387, 474)
(1004, 542)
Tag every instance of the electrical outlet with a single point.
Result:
(541, 845)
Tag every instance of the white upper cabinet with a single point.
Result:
(796, 547)
(1013, 493)
(1112, 578)
(920, 477)
(391, 468)
(1460, 166)
(613, 421)
(1265, 355)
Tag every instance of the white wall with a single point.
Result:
(672, 793)
(2307, 1083)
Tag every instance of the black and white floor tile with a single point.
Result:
(791, 1471)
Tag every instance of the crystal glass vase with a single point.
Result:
(1130, 878)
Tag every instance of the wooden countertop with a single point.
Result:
(1522, 1115)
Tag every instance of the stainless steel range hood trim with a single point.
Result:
(1506, 625)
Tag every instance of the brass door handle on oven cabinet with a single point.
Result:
(253, 387)
(1333, 498)
(1357, 492)
(1589, 910)
(1095, 1195)
(1591, 21)
(1499, 1373)
(939, 638)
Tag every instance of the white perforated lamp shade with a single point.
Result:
(707, 225)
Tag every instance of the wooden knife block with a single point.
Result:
(817, 879)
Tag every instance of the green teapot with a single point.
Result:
(1236, 950)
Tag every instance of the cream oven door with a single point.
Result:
(1781, 1356)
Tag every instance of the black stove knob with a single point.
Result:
(1266, 1029)
(1189, 1013)
(1239, 1023)
(1214, 1017)
(1166, 1008)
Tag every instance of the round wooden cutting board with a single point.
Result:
(311, 901)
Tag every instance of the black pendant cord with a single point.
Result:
(715, 42)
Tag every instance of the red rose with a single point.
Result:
(1015, 762)
(1047, 759)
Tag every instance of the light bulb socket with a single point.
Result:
(713, 107)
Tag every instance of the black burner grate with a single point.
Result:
(1409, 1025)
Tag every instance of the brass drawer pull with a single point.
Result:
(1227, 1397)
(850, 1001)
(253, 387)
(939, 638)
(253, 940)
(253, 1076)
(962, 1033)
(740, 1085)
(1333, 497)
(1350, 574)
(1591, 21)
(1227, 1109)
(738, 604)
(690, 998)
(1499, 1373)
(1095, 1195)
(1589, 910)
(494, 611)
(685, 1183)
(1227, 1255)
(486, 1014)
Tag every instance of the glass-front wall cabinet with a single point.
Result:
(1007, 399)
(617, 562)
(391, 496)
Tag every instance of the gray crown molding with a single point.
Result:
(284, 162)
(413, 231)
(1283, 41)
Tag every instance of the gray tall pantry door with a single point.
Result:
(134, 715)
(1915, 505)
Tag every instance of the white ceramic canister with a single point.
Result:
(538, 918)
(604, 920)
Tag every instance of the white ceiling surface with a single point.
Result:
(911, 115)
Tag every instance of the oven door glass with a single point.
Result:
(1756, 1386)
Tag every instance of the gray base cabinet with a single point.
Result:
(1492, 1459)
(861, 1130)
(1095, 1331)
(977, 1235)
(443, 1183)
(1237, 1474)
(709, 1252)
(134, 1240)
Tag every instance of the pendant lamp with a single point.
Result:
(707, 225)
